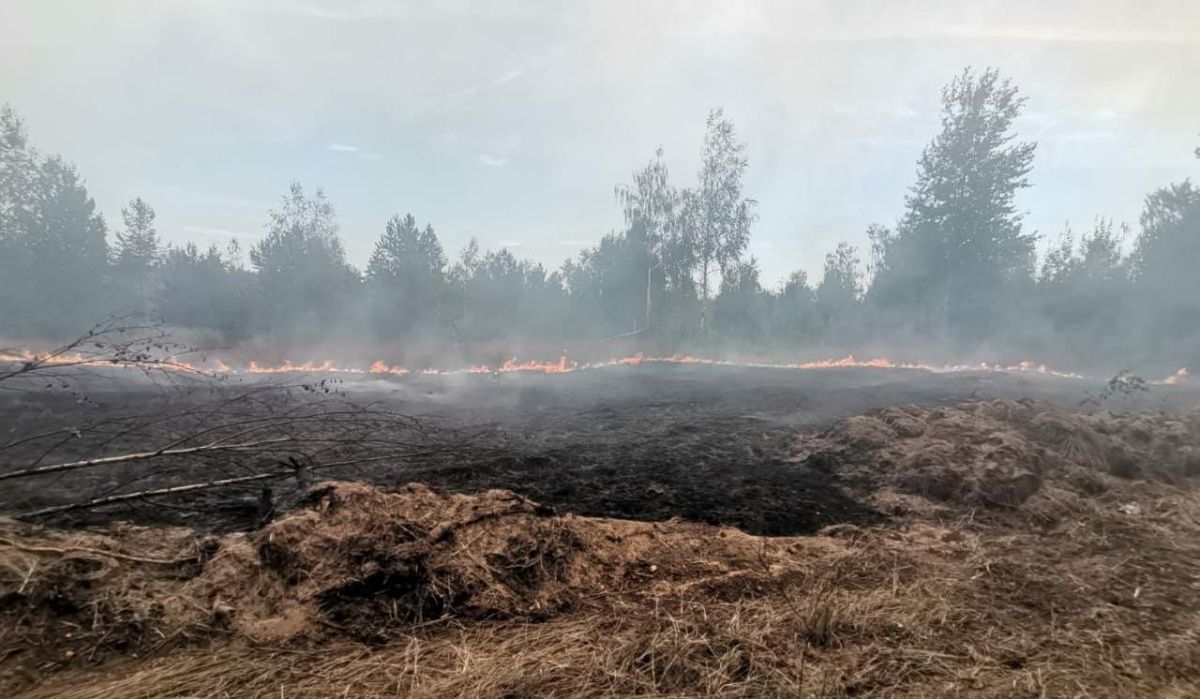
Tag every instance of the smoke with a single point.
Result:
(516, 134)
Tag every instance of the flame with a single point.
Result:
(379, 367)
(287, 367)
(79, 359)
(562, 365)
(1177, 378)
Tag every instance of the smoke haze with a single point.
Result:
(512, 126)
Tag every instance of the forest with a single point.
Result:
(957, 277)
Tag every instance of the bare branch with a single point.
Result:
(176, 490)
(140, 456)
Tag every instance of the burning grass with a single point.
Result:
(1064, 561)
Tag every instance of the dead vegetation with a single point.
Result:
(1030, 553)
(1001, 453)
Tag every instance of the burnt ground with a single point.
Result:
(650, 442)
(1019, 548)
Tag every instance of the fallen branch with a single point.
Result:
(142, 494)
(137, 456)
(133, 340)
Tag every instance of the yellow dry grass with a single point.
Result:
(1087, 588)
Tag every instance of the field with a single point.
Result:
(669, 530)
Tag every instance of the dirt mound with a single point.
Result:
(368, 592)
(415, 592)
(1000, 453)
(90, 595)
(362, 560)
(353, 561)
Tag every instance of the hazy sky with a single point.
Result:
(513, 121)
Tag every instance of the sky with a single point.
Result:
(512, 122)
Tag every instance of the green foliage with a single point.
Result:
(959, 247)
(136, 255)
(957, 268)
(793, 315)
(608, 282)
(651, 237)
(53, 247)
(1164, 261)
(715, 218)
(406, 278)
(503, 297)
(839, 295)
(137, 247)
(205, 289)
(304, 284)
(742, 309)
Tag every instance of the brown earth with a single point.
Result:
(1020, 550)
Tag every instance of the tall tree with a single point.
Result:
(61, 252)
(137, 246)
(838, 298)
(53, 247)
(504, 297)
(205, 289)
(18, 171)
(304, 281)
(960, 244)
(841, 284)
(792, 313)
(741, 311)
(606, 284)
(649, 206)
(1164, 259)
(137, 250)
(715, 218)
(1084, 288)
(405, 277)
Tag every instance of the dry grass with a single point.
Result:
(1087, 588)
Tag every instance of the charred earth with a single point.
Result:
(672, 531)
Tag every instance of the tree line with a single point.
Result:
(958, 271)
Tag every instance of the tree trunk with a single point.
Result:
(649, 269)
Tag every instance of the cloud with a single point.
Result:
(465, 92)
(341, 148)
(209, 231)
(318, 9)
(1086, 136)
(492, 161)
(508, 77)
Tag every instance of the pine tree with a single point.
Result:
(137, 251)
(137, 247)
(304, 282)
(406, 277)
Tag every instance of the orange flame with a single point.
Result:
(78, 359)
(564, 365)
(1177, 378)
(379, 367)
(326, 367)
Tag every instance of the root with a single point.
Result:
(64, 550)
